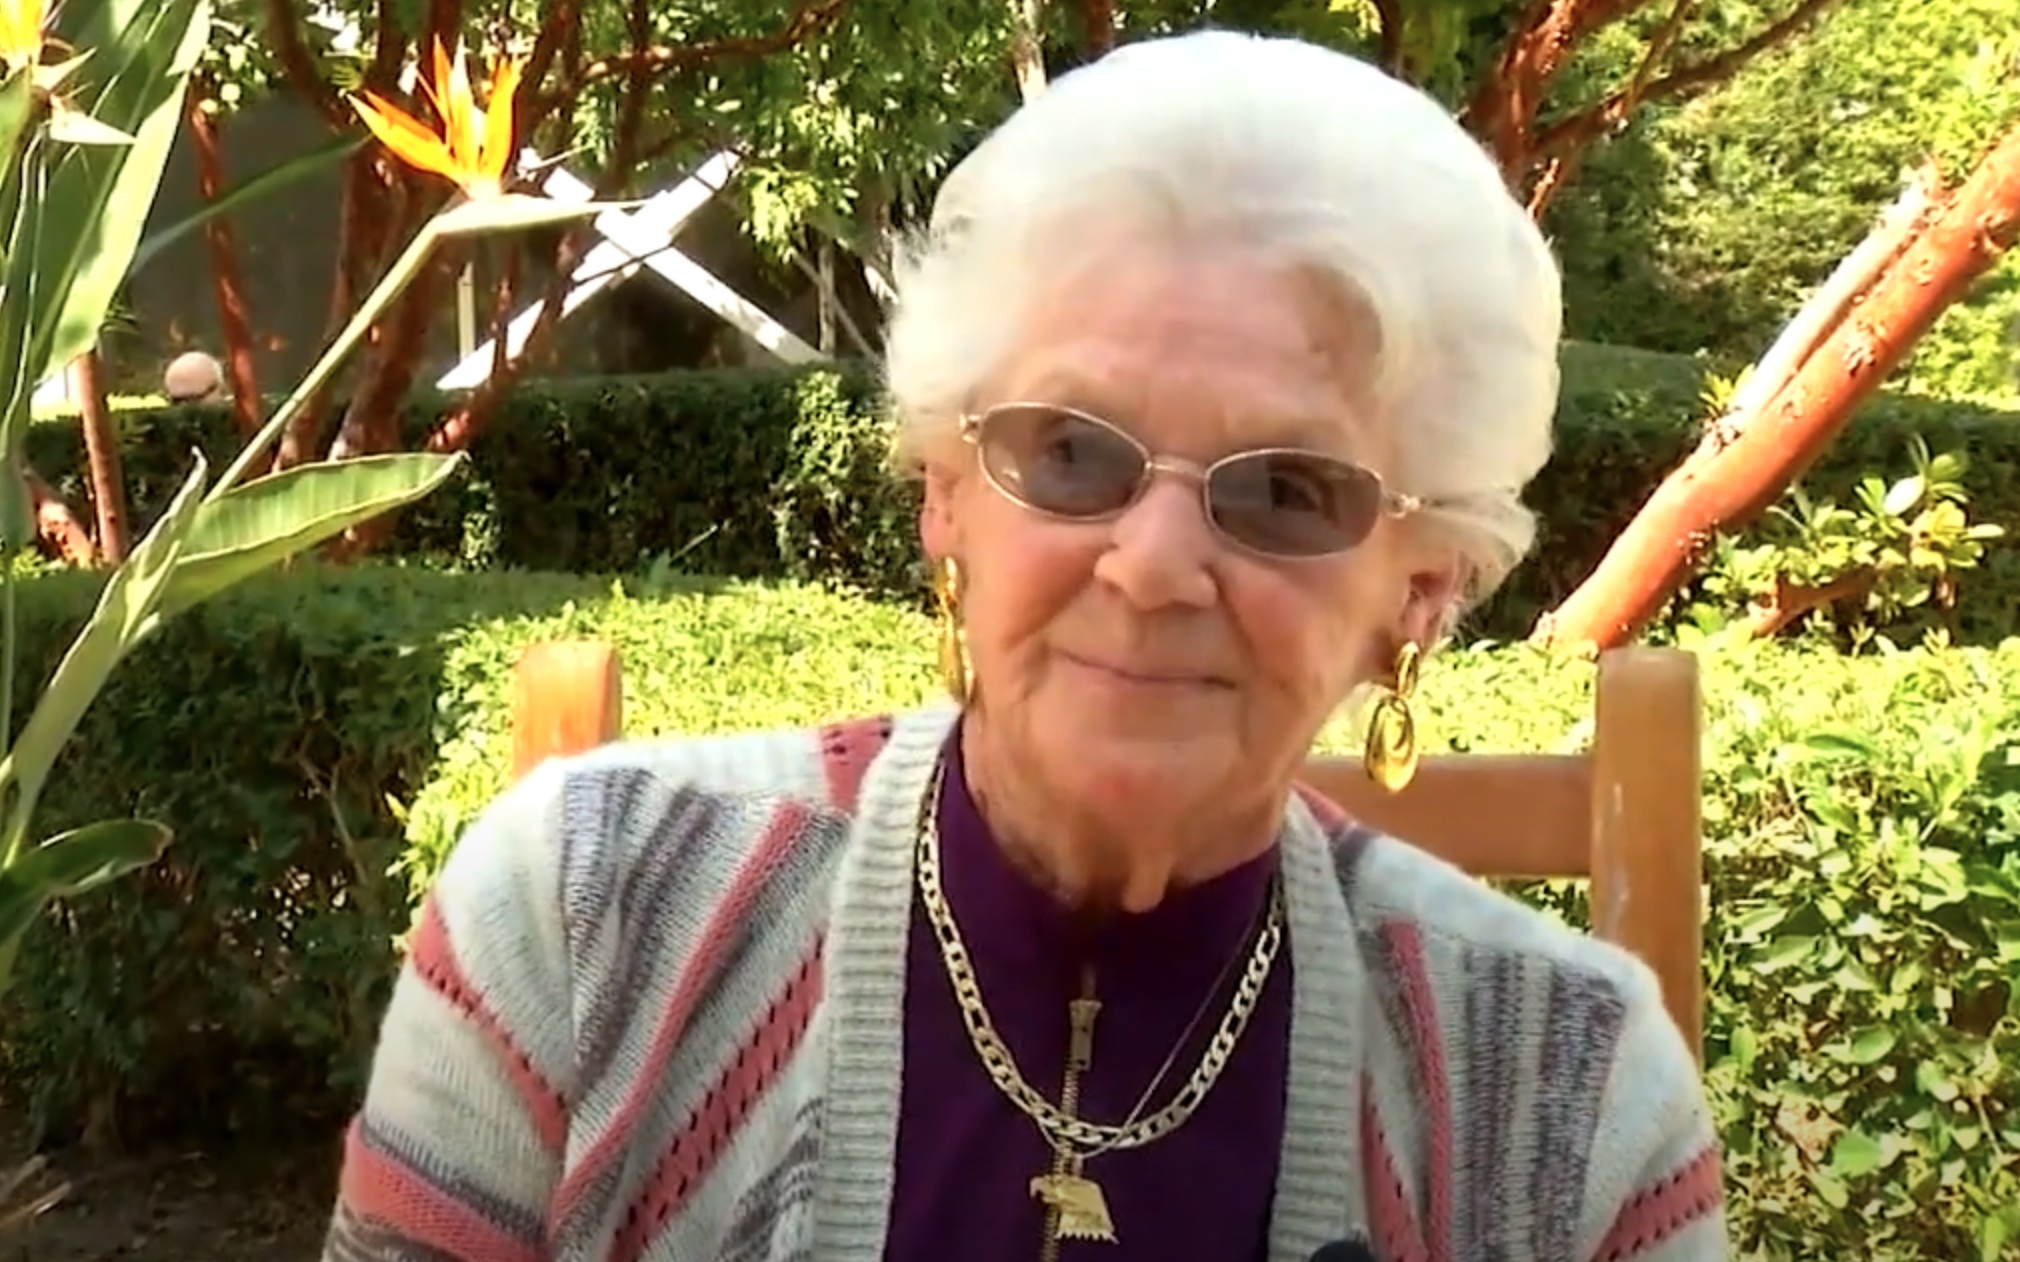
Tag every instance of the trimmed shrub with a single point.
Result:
(783, 475)
(319, 739)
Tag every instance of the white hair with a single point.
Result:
(1308, 155)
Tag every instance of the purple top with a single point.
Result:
(966, 1155)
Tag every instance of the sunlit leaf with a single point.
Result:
(514, 212)
(256, 526)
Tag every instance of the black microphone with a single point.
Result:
(1344, 1251)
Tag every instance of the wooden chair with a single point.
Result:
(1624, 816)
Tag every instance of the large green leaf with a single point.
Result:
(266, 521)
(17, 106)
(20, 186)
(99, 197)
(273, 180)
(127, 611)
(69, 864)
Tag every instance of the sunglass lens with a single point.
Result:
(1294, 504)
(1059, 462)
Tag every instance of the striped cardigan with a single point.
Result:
(649, 1014)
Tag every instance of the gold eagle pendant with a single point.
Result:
(1079, 1210)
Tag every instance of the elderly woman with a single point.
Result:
(1224, 364)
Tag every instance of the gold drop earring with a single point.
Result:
(954, 672)
(1390, 757)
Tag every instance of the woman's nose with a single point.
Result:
(1161, 549)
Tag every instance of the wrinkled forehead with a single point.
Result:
(1201, 353)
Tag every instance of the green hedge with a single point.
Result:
(320, 738)
(782, 475)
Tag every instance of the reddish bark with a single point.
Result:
(101, 454)
(1097, 21)
(1732, 478)
(1790, 600)
(1506, 108)
(56, 527)
(234, 320)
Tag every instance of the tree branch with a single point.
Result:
(1790, 600)
(1595, 121)
(284, 37)
(1724, 486)
(811, 18)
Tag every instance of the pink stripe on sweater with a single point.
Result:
(1328, 812)
(1659, 1212)
(1398, 1238)
(383, 1190)
(847, 749)
(1413, 979)
(433, 958)
(727, 922)
(694, 1151)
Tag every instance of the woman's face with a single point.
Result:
(1145, 663)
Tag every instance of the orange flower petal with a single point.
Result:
(460, 127)
(408, 140)
(498, 119)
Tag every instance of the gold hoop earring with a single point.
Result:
(953, 648)
(1390, 757)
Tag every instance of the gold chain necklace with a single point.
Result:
(1076, 1206)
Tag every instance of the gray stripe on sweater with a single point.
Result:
(780, 1201)
(632, 802)
(1580, 1043)
(1350, 843)
(1488, 1127)
(422, 1159)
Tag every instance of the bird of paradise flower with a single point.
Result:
(22, 23)
(473, 149)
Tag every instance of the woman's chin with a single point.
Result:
(1137, 779)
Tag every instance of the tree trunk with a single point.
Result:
(226, 280)
(1097, 18)
(101, 453)
(1731, 478)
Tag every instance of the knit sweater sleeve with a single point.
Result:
(1654, 1191)
(457, 1148)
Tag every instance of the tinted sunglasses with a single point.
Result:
(1278, 502)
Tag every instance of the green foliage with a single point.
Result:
(326, 735)
(1862, 945)
(238, 982)
(1704, 226)
(770, 475)
(1899, 549)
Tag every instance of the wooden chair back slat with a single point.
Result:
(1624, 816)
(1647, 828)
(567, 697)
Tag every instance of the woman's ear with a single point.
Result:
(1430, 597)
